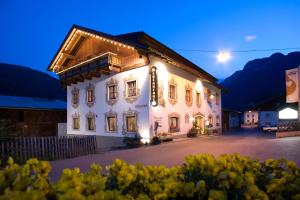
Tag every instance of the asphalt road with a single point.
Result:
(249, 142)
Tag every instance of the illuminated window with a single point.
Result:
(188, 95)
(217, 120)
(76, 121)
(75, 97)
(112, 124)
(131, 88)
(111, 121)
(210, 121)
(90, 95)
(132, 92)
(90, 121)
(130, 121)
(174, 123)
(198, 99)
(112, 91)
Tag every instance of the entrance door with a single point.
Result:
(199, 123)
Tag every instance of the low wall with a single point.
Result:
(287, 134)
(105, 143)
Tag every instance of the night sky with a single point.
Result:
(31, 31)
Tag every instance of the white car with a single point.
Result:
(270, 128)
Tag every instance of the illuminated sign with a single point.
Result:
(153, 74)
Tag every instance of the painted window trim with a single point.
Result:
(190, 102)
(218, 119)
(112, 82)
(76, 115)
(130, 113)
(74, 91)
(174, 83)
(131, 99)
(174, 114)
(92, 88)
(110, 114)
(90, 115)
(198, 103)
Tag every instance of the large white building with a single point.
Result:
(133, 84)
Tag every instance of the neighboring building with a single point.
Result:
(131, 83)
(268, 118)
(230, 119)
(251, 117)
(25, 116)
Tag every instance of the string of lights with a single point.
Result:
(239, 51)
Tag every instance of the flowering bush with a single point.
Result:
(200, 177)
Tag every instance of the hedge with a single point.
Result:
(200, 177)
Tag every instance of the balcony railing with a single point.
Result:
(98, 62)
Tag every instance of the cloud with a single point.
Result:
(250, 38)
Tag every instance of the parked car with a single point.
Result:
(271, 128)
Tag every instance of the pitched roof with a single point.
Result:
(15, 102)
(139, 40)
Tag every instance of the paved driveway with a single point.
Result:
(250, 143)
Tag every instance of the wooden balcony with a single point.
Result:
(90, 68)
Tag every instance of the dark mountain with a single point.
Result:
(261, 81)
(18, 80)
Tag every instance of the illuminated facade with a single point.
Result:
(131, 83)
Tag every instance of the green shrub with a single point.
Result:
(132, 142)
(200, 177)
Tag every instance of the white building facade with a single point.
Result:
(251, 117)
(131, 84)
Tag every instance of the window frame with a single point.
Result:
(75, 91)
(188, 89)
(198, 99)
(218, 122)
(76, 116)
(177, 117)
(173, 83)
(90, 90)
(110, 114)
(130, 113)
(133, 98)
(112, 83)
(93, 117)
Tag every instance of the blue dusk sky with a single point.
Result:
(31, 31)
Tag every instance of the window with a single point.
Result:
(132, 91)
(90, 95)
(174, 123)
(210, 121)
(76, 121)
(111, 121)
(112, 124)
(90, 122)
(131, 88)
(217, 120)
(198, 99)
(217, 99)
(188, 95)
(172, 92)
(111, 91)
(75, 97)
(131, 123)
